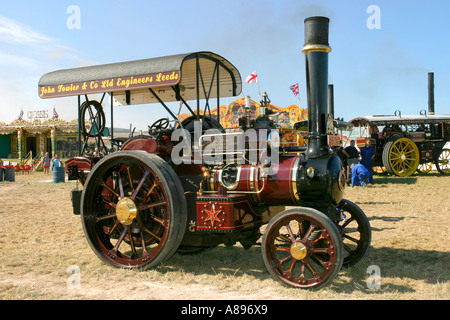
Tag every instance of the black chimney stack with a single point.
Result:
(430, 93)
(316, 51)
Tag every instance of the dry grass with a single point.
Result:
(41, 238)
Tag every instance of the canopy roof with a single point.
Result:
(197, 75)
(384, 120)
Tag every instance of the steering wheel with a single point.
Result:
(162, 123)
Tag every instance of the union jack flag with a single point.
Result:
(20, 117)
(55, 114)
(294, 89)
(252, 78)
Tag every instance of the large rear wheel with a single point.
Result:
(401, 157)
(302, 248)
(133, 210)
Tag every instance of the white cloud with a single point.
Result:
(15, 32)
(25, 55)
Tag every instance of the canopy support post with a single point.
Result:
(112, 118)
(79, 126)
(176, 89)
(163, 104)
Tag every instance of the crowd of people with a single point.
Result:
(358, 163)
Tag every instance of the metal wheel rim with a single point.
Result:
(121, 244)
(404, 157)
(443, 161)
(321, 260)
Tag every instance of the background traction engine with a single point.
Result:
(138, 208)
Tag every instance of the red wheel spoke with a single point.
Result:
(306, 262)
(284, 238)
(288, 227)
(140, 184)
(317, 240)
(109, 216)
(159, 220)
(291, 267)
(282, 249)
(104, 185)
(109, 203)
(130, 181)
(113, 227)
(319, 250)
(151, 233)
(149, 192)
(119, 241)
(308, 233)
(134, 254)
(284, 259)
(120, 186)
(152, 205)
(144, 248)
(320, 261)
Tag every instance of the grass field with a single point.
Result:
(44, 255)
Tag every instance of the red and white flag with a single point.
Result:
(252, 78)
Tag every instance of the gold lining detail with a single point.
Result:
(316, 47)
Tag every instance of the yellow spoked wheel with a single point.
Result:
(425, 167)
(443, 161)
(401, 157)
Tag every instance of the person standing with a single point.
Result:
(351, 153)
(56, 161)
(46, 163)
(351, 156)
(367, 156)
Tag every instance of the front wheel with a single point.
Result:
(442, 161)
(302, 248)
(133, 210)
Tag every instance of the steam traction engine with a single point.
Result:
(139, 206)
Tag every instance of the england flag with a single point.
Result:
(252, 78)
(20, 117)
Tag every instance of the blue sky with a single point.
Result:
(374, 71)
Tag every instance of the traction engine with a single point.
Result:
(139, 205)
